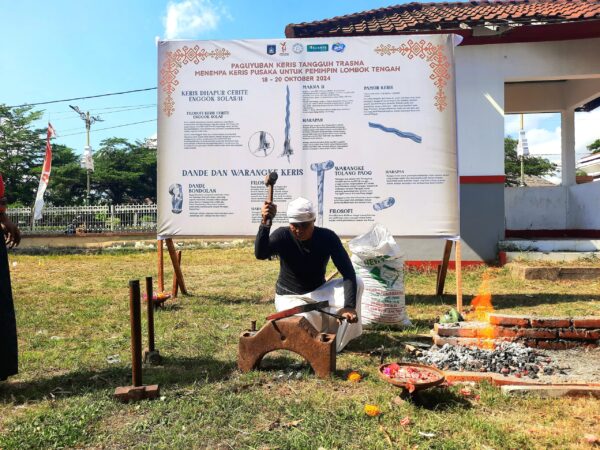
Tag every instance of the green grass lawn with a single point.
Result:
(72, 313)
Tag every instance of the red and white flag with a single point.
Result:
(45, 177)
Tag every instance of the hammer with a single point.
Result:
(270, 182)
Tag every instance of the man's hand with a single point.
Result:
(268, 210)
(12, 235)
(349, 314)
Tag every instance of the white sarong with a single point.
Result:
(333, 292)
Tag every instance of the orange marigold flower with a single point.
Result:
(354, 376)
(372, 410)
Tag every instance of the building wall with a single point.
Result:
(536, 208)
(584, 206)
(553, 208)
(481, 71)
(481, 224)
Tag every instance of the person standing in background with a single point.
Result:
(10, 237)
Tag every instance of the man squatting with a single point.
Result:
(304, 251)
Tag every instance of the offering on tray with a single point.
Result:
(158, 297)
(411, 376)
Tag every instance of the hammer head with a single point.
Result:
(271, 179)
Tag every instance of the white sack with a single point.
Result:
(377, 259)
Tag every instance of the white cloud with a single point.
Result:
(512, 122)
(190, 18)
(587, 130)
(544, 142)
(544, 134)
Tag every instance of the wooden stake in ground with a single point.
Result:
(443, 268)
(161, 266)
(175, 288)
(176, 266)
(458, 263)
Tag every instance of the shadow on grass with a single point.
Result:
(390, 340)
(214, 299)
(503, 301)
(284, 360)
(169, 306)
(438, 399)
(174, 371)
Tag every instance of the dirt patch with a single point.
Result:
(579, 364)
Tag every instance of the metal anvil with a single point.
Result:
(295, 334)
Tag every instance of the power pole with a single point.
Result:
(87, 158)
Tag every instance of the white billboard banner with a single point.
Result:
(363, 126)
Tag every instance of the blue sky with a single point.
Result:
(66, 49)
(70, 48)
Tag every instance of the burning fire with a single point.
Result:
(481, 309)
(482, 304)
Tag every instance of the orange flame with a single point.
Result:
(482, 304)
(481, 309)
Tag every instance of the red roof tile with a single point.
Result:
(424, 17)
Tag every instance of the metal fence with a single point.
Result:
(87, 219)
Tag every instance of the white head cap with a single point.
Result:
(300, 210)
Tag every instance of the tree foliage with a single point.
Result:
(67, 185)
(594, 147)
(22, 150)
(533, 165)
(124, 172)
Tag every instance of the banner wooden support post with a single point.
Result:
(176, 266)
(458, 262)
(175, 288)
(161, 266)
(442, 269)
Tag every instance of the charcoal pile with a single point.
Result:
(508, 358)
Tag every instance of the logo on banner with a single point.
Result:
(271, 49)
(283, 47)
(338, 47)
(317, 48)
(298, 48)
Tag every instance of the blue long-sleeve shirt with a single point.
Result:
(303, 263)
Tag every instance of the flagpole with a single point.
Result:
(522, 159)
(38, 205)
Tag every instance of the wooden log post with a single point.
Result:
(443, 268)
(161, 266)
(175, 288)
(458, 262)
(176, 266)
